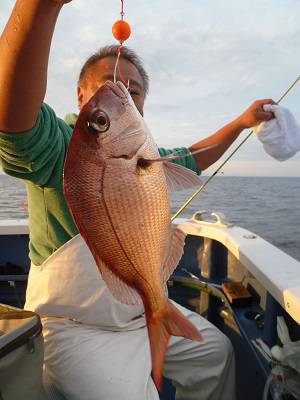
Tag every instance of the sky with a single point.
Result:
(207, 61)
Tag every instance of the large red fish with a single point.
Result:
(116, 187)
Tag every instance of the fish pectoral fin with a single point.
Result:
(179, 177)
(119, 289)
(175, 252)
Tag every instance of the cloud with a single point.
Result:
(207, 60)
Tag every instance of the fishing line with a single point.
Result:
(227, 159)
(117, 66)
(121, 31)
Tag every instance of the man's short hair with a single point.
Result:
(112, 51)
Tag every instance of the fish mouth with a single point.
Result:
(117, 88)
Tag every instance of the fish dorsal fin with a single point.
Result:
(175, 252)
(179, 177)
(122, 292)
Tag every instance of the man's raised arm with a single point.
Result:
(24, 52)
(225, 136)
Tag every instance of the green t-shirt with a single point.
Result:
(37, 157)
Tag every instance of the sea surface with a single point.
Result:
(269, 207)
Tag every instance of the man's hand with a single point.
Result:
(61, 2)
(225, 136)
(255, 114)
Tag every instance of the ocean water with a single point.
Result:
(269, 207)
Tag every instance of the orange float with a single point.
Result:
(121, 30)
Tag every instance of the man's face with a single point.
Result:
(103, 71)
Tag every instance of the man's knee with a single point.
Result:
(216, 349)
(222, 353)
(226, 349)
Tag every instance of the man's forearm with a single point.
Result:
(24, 52)
(223, 138)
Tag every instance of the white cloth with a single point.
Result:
(281, 135)
(97, 348)
(69, 285)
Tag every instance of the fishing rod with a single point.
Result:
(227, 159)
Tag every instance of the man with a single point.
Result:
(95, 347)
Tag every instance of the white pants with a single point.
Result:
(98, 349)
(87, 363)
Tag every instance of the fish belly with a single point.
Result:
(137, 207)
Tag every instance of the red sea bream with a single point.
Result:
(116, 187)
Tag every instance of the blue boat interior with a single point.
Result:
(240, 323)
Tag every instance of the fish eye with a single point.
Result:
(99, 121)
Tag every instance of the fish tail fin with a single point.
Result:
(169, 322)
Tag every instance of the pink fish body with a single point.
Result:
(120, 204)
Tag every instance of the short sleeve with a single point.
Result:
(33, 155)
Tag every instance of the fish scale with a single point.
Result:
(147, 251)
